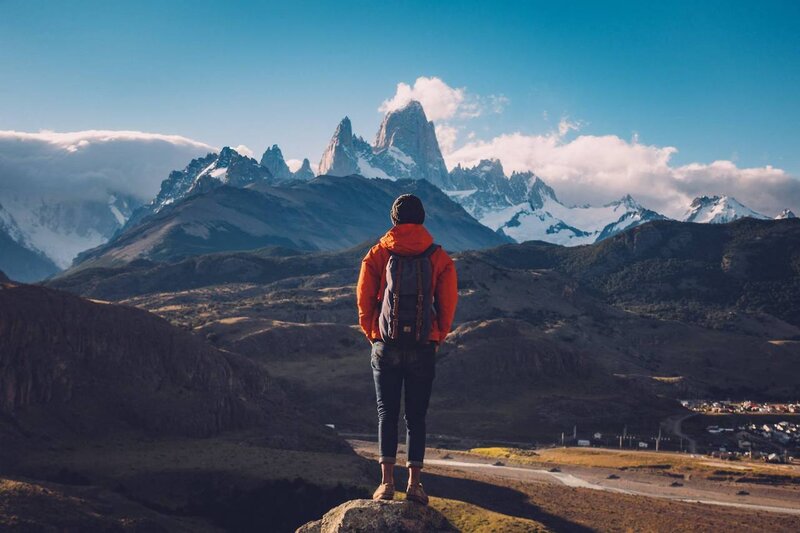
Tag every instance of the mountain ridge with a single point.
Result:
(326, 213)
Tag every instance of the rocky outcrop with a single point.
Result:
(786, 213)
(273, 161)
(204, 174)
(339, 158)
(384, 516)
(304, 172)
(405, 148)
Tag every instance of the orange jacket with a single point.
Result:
(406, 239)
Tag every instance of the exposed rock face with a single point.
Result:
(384, 516)
(408, 134)
(202, 175)
(405, 148)
(484, 189)
(273, 161)
(304, 172)
(340, 159)
(100, 367)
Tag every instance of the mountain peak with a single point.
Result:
(405, 147)
(786, 213)
(718, 210)
(629, 202)
(344, 130)
(409, 138)
(539, 192)
(339, 158)
(273, 161)
(304, 172)
(493, 166)
(227, 153)
(412, 106)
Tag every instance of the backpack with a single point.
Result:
(407, 305)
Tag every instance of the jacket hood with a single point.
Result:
(407, 239)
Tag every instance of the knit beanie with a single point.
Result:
(407, 209)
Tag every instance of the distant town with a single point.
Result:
(743, 407)
(769, 438)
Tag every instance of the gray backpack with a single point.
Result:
(407, 305)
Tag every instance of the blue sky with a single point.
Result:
(716, 80)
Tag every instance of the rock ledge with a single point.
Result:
(384, 516)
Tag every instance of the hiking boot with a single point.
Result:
(385, 491)
(416, 493)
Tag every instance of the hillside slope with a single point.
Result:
(326, 213)
(113, 398)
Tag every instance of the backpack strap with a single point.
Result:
(429, 250)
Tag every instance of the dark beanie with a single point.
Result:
(407, 209)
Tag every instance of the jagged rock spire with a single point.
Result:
(339, 158)
(273, 161)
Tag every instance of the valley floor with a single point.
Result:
(579, 497)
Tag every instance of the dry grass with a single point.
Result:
(668, 379)
(468, 517)
(605, 458)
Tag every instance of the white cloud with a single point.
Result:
(443, 102)
(598, 169)
(243, 149)
(440, 101)
(447, 136)
(565, 125)
(294, 164)
(89, 164)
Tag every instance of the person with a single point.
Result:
(407, 293)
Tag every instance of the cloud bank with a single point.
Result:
(599, 169)
(89, 164)
(591, 169)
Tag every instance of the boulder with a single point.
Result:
(384, 516)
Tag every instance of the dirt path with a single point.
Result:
(674, 425)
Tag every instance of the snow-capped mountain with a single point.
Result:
(525, 208)
(405, 147)
(485, 189)
(718, 210)
(520, 206)
(18, 259)
(59, 228)
(203, 174)
(786, 213)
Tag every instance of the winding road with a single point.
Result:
(632, 487)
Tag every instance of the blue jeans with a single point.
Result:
(393, 369)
